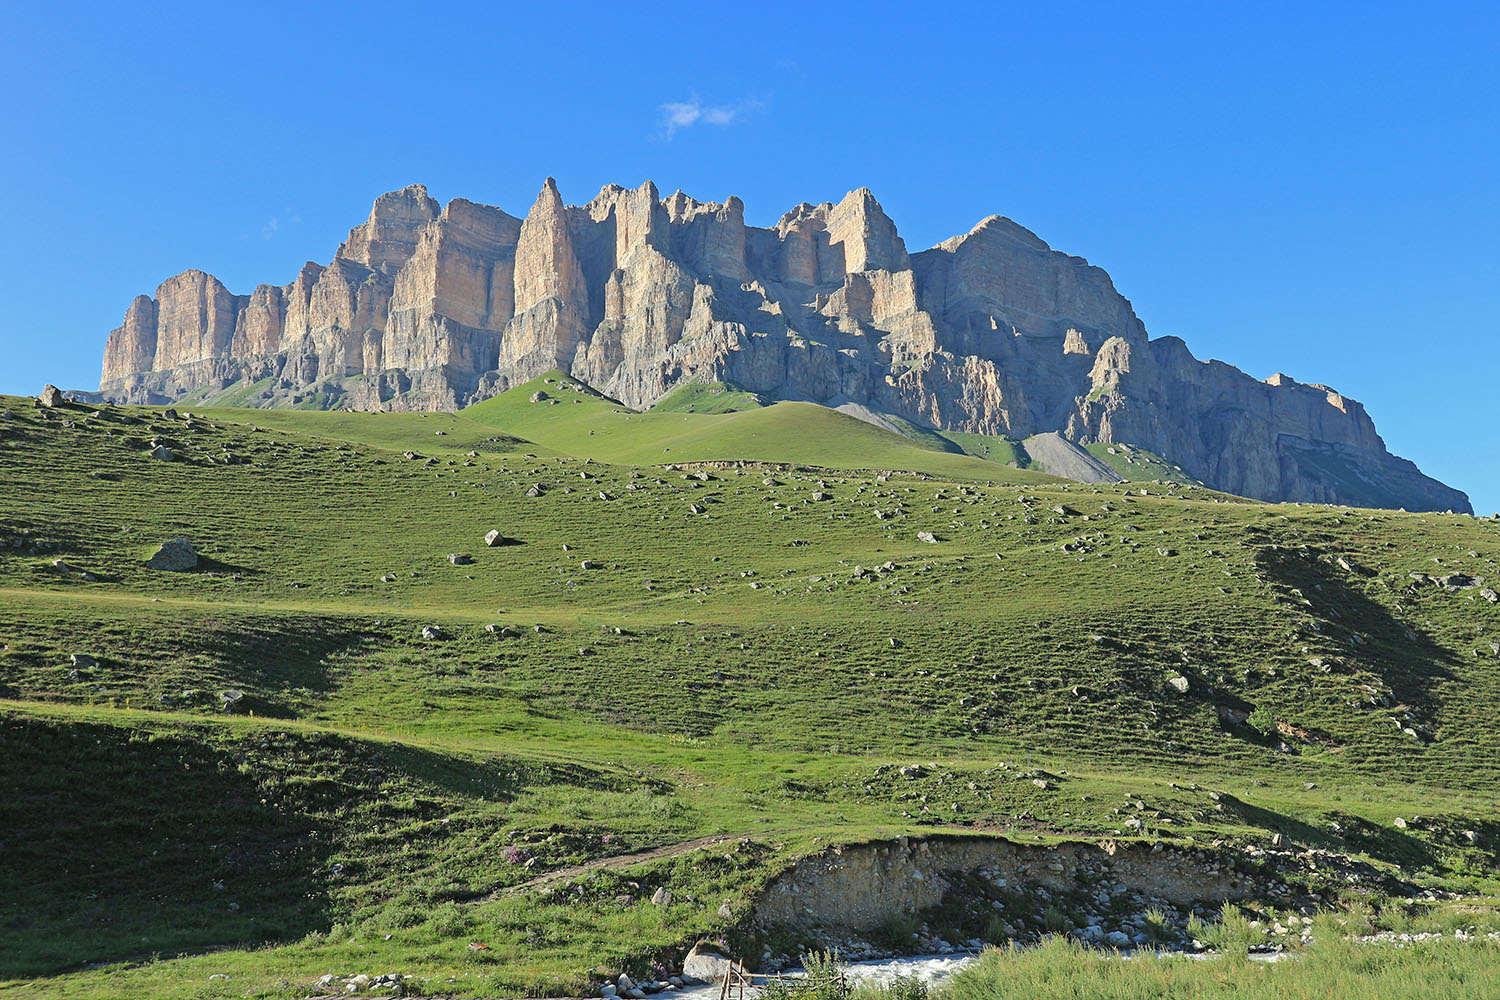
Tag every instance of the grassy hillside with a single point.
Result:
(709, 397)
(694, 678)
(1137, 464)
(576, 420)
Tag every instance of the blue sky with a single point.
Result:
(1307, 188)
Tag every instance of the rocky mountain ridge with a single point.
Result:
(432, 307)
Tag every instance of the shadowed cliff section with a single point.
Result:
(993, 332)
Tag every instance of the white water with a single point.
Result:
(931, 969)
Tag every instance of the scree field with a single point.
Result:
(358, 738)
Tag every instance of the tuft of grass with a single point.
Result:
(1059, 969)
(1232, 934)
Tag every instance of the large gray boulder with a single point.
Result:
(51, 397)
(705, 964)
(175, 556)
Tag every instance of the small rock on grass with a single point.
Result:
(174, 556)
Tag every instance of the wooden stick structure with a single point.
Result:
(732, 986)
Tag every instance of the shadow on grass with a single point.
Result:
(1407, 660)
(114, 846)
(274, 660)
(118, 842)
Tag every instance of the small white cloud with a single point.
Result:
(269, 229)
(678, 115)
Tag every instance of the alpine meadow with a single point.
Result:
(585, 502)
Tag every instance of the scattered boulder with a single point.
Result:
(83, 661)
(928, 537)
(587, 564)
(229, 699)
(1178, 683)
(1489, 595)
(494, 538)
(662, 897)
(539, 397)
(431, 632)
(705, 963)
(51, 397)
(460, 558)
(162, 453)
(174, 556)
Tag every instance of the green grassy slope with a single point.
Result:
(1137, 464)
(430, 433)
(1006, 451)
(738, 659)
(709, 397)
(578, 421)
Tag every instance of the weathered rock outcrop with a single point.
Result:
(992, 332)
(858, 887)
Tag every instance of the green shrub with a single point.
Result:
(1232, 934)
(896, 931)
(824, 979)
(900, 988)
(1056, 920)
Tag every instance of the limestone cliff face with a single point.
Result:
(429, 307)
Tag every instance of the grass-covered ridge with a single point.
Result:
(573, 418)
(750, 653)
(709, 397)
